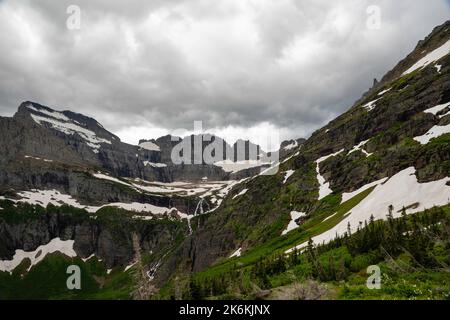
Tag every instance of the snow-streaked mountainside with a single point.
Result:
(68, 185)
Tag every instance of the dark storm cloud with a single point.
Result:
(160, 65)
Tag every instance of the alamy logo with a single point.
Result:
(74, 280)
(374, 280)
(73, 22)
(374, 17)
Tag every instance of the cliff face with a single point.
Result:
(107, 235)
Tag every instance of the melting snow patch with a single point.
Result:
(36, 158)
(328, 218)
(290, 157)
(431, 57)
(287, 175)
(142, 207)
(435, 110)
(233, 167)
(53, 114)
(88, 258)
(384, 91)
(291, 146)
(71, 128)
(324, 189)
(438, 68)
(36, 256)
(144, 218)
(240, 193)
(44, 197)
(371, 105)
(149, 146)
(109, 178)
(129, 266)
(401, 191)
(237, 253)
(155, 165)
(359, 148)
(292, 224)
(434, 132)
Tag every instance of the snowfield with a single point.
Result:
(292, 224)
(70, 128)
(36, 256)
(324, 188)
(401, 191)
(45, 197)
(348, 195)
(54, 114)
(431, 57)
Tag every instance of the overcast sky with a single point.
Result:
(243, 67)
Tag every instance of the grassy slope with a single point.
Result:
(330, 206)
(47, 280)
(403, 277)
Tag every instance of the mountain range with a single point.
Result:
(142, 226)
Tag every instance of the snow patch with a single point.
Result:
(291, 146)
(431, 57)
(434, 132)
(149, 146)
(359, 148)
(384, 91)
(287, 175)
(44, 197)
(324, 188)
(240, 193)
(237, 253)
(435, 110)
(70, 128)
(233, 167)
(53, 114)
(130, 266)
(36, 158)
(371, 105)
(109, 178)
(328, 218)
(154, 164)
(292, 224)
(36, 256)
